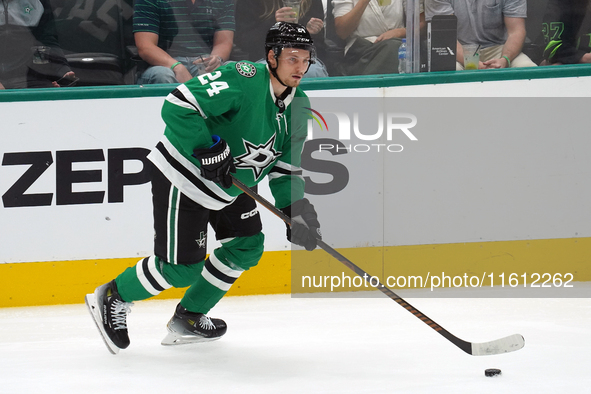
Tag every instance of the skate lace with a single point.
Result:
(119, 311)
(206, 323)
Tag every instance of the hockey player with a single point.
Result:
(236, 119)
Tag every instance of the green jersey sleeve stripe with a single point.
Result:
(283, 168)
(183, 97)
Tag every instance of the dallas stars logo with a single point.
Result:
(202, 239)
(257, 158)
(246, 70)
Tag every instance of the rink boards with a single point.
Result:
(478, 192)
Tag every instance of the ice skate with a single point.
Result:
(189, 327)
(110, 315)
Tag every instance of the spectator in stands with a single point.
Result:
(30, 55)
(255, 17)
(373, 30)
(567, 32)
(181, 39)
(498, 27)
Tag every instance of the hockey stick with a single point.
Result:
(503, 345)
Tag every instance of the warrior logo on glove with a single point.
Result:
(216, 162)
(216, 159)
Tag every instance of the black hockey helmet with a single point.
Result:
(289, 35)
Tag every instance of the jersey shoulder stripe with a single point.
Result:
(183, 97)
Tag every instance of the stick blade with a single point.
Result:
(503, 345)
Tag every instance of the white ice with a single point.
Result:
(280, 344)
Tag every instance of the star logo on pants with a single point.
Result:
(202, 239)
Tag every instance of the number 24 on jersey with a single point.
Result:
(215, 86)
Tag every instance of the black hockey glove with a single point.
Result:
(216, 162)
(305, 228)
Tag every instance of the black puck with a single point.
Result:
(492, 372)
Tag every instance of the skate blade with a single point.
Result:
(90, 301)
(174, 338)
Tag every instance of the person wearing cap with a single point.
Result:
(233, 122)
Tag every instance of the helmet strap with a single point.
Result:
(274, 72)
(274, 69)
(279, 101)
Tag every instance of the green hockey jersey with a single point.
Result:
(237, 103)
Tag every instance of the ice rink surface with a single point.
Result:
(280, 344)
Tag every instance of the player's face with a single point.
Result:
(293, 64)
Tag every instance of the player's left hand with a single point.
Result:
(305, 227)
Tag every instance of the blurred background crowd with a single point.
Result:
(64, 43)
